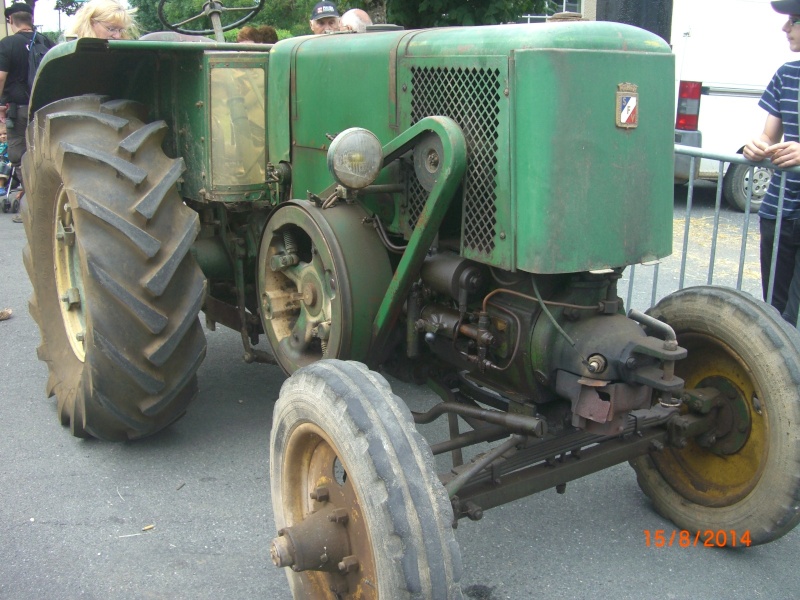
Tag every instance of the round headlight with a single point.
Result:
(355, 158)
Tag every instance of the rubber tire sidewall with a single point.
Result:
(405, 505)
(770, 348)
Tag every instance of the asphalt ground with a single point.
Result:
(72, 512)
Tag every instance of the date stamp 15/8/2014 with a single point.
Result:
(708, 538)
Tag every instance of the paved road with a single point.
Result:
(72, 511)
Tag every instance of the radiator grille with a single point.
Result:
(470, 96)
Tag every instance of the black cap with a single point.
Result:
(18, 7)
(787, 7)
(324, 9)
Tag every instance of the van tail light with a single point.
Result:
(688, 105)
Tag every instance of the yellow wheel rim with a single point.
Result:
(69, 281)
(698, 473)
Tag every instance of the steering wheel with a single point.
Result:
(212, 10)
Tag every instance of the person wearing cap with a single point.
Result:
(324, 18)
(355, 20)
(780, 142)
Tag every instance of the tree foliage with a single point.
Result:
(413, 14)
(290, 17)
(146, 15)
(69, 7)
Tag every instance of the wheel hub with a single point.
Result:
(310, 296)
(317, 543)
(721, 466)
(328, 539)
(296, 300)
(312, 305)
(733, 419)
(69, 280)
(761, 179)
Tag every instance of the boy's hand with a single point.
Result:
(784, 154)
(757, 150)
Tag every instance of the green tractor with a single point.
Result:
(453, 207)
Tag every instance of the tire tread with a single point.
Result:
(118, 392)
(401, 480)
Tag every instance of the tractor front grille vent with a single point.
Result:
(470, 96)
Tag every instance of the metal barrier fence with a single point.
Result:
(712, 243)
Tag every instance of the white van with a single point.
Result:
(732, 48)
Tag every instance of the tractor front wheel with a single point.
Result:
(360, 510)
(745, 480)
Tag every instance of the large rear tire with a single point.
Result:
(116, 292)
(747, 480)
(343, 444)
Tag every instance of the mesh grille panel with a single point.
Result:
(469, 96)
(417, 196)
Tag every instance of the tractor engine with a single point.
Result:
(577, 346)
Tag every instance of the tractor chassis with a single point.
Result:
(532, 460)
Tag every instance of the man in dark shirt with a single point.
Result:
(14, 92)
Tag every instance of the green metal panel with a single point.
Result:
(279, 129)
(464, 73)
(590, 194)
(122, 69)
(170, 78)
(91, 66)
(183, 97)
(498, 40)
(336, 82)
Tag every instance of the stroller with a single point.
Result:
(10, 188)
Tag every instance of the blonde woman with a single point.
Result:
(104, 19)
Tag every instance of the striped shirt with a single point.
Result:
(780, 100)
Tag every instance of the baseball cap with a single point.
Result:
(18, 7)
(787, 7)
(324, 9)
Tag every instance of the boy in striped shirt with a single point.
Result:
(780, 142)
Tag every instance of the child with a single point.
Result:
(3, 146)
(780, 142)
(3, 182)
(5, 167)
